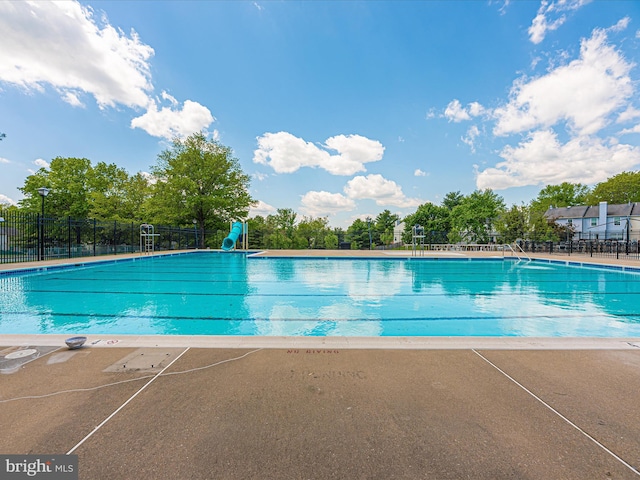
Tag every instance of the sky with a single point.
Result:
(337, 109)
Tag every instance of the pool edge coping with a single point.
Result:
(321, 344)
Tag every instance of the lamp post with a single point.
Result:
(195, 222)
(43, 191)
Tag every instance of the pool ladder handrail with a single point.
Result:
(508, 245)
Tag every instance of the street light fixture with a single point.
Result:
(43, 191)
(195, 229)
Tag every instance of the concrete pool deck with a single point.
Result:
(292, 407)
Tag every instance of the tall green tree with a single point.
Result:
(513, 224)
(474, 218)
(452, 200)
(384, 224)
(621, 188)
(562, 195)
(313, 231)
(434, 219)
(115, 195)
(358, 234)
(67, 179)
(199, 179)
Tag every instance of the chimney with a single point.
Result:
(602, 219)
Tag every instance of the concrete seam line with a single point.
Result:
(125, 403)
(630, 467)
(137, 379)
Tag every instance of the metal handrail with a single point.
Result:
(508, 245)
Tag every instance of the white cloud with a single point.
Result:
(383, 191)
(263, 209)
(622, 24)
(168, 122)
(551, 15)
(260, 176)
(286, 153)
(475, 109)
(39, 162)
(62, 45)
(583, 93)
(542, 160)
(629, 114)
(455, 113)
(59, 44)
(635, 129)
(4, 200)
(4, 160)
(419, 173)
(325, 203)
(72, 99)
(471, 136)
(171, 99)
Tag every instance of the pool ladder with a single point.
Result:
(508, 245)
(147, 239)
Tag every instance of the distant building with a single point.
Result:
(601, 222)
(398, 231)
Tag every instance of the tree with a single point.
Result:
(474, 217)
(115, 195)
(285, 221)
(313, 231)
(257, 231)
(512, 224)
(331, 241)
(563, 195)
(435, 221)
(384, 224)
(451, 200)
(199, 179)
(67, 179)
(621, 188)
(358, 234)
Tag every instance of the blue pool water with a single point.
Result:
(212, 293)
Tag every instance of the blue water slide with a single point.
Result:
(229, 242)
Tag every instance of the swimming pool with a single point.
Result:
(210, 293)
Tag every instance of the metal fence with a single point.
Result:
(618, 249)
(26, 237)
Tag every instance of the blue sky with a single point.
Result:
(338, 108)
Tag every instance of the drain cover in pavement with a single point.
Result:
(21, 353)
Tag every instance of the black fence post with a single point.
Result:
(40, 236)
(68, 237)
(94, 237)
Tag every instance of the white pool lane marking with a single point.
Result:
(125, 403)
(630, 467)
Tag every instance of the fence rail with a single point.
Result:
(26, 237)
(593, 248)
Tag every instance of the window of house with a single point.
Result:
(594, 222)
(616, 220)
(570, 221)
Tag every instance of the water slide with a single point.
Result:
(229, 243)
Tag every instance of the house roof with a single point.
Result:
(581, 211)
